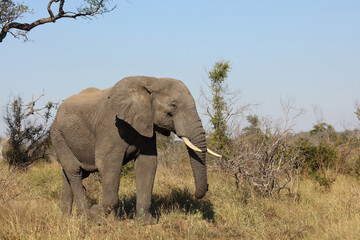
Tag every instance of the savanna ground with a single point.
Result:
(225, 213)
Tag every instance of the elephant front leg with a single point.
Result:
(110, 178)
(110, 184)
(145, 168)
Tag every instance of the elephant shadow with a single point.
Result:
(178, 199)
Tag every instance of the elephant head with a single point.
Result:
(164, 105)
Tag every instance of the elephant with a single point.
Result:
(102, 130)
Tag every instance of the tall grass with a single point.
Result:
(225, 212)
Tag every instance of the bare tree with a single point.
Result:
(269, 163)
(10, 12)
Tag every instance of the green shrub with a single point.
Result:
(28, 136)
(318, 157)
(357, 166)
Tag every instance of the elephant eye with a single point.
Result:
(172, 109)
(173, 104)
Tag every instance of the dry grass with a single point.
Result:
(225, 213)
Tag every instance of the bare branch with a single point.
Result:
(30, 107)
(90, 11)
(61, 7)
(319, 114)
(49, 8)
(269, 160)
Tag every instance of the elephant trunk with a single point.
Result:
(198, 160)
(188, 127)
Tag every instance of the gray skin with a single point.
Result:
(102, 130)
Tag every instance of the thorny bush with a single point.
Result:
(269, 164)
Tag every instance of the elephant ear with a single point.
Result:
(130, 101)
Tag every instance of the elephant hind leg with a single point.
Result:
(72, 177)
(74, 180)
(67, 196)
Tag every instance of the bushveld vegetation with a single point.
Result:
(29, 206)
(273, 183)
(28, 135)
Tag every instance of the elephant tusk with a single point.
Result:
(190, 145)
(193, 147)
(213, 153)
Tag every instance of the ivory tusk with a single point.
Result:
(213, 153)
(190, 145)
(193, 147)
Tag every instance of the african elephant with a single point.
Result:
(101, 130)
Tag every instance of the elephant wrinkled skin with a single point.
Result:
(101, 130)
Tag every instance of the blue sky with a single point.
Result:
(309, 50)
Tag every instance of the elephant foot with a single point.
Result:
(145, 218)
(66, 209)
(97, 211)
(82, 213)
(97, 214)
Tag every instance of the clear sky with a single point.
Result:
(309, 50)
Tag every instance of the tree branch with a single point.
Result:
(49, 8)
(61, 7)
(90, 12)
